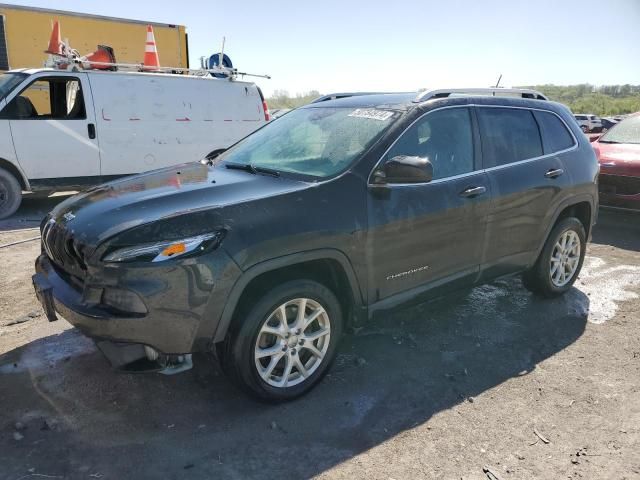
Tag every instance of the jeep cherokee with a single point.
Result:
(315, 222)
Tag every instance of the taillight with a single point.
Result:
(267, 116)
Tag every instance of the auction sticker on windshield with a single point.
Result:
(371, 113)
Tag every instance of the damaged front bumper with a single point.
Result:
(167, 322)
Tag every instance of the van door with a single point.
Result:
(430, 234)
(52, 123)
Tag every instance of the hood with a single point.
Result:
(107, 210)
(618, 158)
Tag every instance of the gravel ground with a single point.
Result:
(491, 383)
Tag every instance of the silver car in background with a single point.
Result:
(589, 123)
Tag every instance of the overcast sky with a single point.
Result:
(402, 45)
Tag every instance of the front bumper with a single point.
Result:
(621, 191)
(176, 297)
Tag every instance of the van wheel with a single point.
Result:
(10, 194)
(560, 261)
(286, 342)
(584, 129)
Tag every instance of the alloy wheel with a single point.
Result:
(292, 342)
(565, 258)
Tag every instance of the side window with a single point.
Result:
(48, 98)
(508, 135)
(444, 137)
(555, 135)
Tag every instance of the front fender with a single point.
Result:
(226, 315)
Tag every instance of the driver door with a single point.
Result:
(52, 124)
(428, 234)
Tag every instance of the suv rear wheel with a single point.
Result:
(286, 342)
(560, 261)
(10, 194)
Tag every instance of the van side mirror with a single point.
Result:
(404, 169)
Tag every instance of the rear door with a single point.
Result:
(429, 234)
(52, 124)
(526, 179)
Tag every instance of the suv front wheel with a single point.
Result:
(560, 261)
(286, 342)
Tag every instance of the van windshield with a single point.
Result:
(8, 82)
(317, 141)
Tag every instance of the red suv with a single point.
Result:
(618, 152)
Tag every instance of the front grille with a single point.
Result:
(619, 184)
(62, 249)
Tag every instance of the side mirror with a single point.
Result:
(404, 169)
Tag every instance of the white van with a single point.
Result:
(66, 130)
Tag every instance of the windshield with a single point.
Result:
(8, 81)
(627, 131)
(319, 142)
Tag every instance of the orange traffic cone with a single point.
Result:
(55, 44)
(151, 60)
(102, 59)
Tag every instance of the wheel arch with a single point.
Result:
(583, 207)
(329, 267)
(14, 170)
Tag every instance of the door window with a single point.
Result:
(444, 137)
(508, 135)
(48, 98)
(554, 132)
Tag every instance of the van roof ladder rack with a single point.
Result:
(447, 92)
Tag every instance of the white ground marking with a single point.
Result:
(43, 353)
(603, 288)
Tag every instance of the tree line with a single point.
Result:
(602, 100)
(582, 98)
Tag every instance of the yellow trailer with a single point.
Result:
(25, 32)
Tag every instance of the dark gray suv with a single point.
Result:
(266, 253)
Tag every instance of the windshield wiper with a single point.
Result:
(247, 167)
(607, 141)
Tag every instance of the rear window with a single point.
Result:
(580, 117)
(508, 135)
(555, 135)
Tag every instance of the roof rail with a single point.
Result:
(334, 96)
(509, 92)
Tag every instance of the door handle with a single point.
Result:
(91, 130)
(554, 173)
(472, 192)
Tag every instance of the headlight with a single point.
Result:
(161, 251)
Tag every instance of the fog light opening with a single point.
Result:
(124, 301)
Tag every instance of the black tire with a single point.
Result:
(10, 194)
(236, 354)
(538, 278)
(584, 129)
